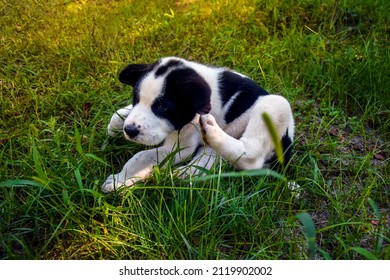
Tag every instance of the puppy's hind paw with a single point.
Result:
(212, 133)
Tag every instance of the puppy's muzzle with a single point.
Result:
(131, 130)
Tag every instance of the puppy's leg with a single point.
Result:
(141, 165)
(116, 123)
(137, 168)
(204, 159)
(255, 146)
(229, 148)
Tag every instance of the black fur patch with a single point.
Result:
(135, 95)
(164, 68)
(287, 151)
(229, 84)
(185, 93)
(133, 73)
(245, 91)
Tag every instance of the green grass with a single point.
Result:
(59, 88)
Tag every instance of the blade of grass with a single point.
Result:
(21, 183)
(274, 136)
(78, 140)
(375, 208)
(94, 157)
(364, 252)
(38, 164)
(245, 173)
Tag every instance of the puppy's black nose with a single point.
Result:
(131, 130)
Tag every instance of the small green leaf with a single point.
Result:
(324, 254)
(78, 140)
(65, 197)
(310, 231)
(375, 208)
(78, 177)
(38, 163)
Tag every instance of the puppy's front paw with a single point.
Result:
(110, 184)
(117, 120)
(211, 132)
(115, 182)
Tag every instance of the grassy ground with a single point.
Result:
(58, 88)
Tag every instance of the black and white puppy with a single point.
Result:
(200, 111)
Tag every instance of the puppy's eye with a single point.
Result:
(161, 107)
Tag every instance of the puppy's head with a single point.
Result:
(167, 95)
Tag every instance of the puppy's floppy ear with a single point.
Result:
(133, 72)
(203, 105)
(192, 88)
